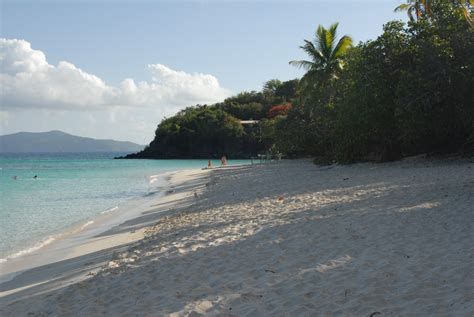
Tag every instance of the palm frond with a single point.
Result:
(327, 42)
(333, 30)
(310, 49)
(467, 15)
(320, 41)
(331, 36)
(342, 46)
(402, 7)
(302, 64)
(416, 8)
(410, 13)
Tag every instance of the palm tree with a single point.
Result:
(415, 8)
(326, 56)
(422, 8)
(466, 7)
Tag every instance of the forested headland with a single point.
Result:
(407, 92)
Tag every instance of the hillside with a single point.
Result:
(58, 141)
(241, 126)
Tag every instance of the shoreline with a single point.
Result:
(109, 229)
(288, 238)
(69, 195)
(81, 229)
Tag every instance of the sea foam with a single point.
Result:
(109, 210)
(29, 250)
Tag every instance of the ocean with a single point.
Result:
(45, 195)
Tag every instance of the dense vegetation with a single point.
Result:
(204, 131)
(409, 91)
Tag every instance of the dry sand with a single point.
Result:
(283, 239)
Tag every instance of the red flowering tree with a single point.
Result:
(279, 110)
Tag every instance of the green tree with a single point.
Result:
(318, 90)
(288, 90)
(271, 86)
(197, 132)
(409, 91)
(326, 56)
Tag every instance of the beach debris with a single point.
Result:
(280, 199)
(270, 271)
(344, 179)
(113, 265)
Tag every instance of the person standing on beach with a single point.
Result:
(223, 160)
(209, 164)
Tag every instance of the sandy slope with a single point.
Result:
(295, 239)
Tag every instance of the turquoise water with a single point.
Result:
(70, 190)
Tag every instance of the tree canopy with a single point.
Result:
(408, 91)
(210, 131)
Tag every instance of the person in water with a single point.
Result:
(223, 160)
(35, 177)
(209, 164)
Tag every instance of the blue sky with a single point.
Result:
(241, 44)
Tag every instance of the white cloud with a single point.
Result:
(28, 81)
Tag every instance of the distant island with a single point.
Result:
(58, 141)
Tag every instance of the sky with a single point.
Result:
(114, 69)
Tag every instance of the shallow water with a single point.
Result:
(70, 190)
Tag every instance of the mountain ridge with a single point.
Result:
(61, 142)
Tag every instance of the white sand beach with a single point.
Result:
(282, 239)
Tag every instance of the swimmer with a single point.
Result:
(223, 160)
